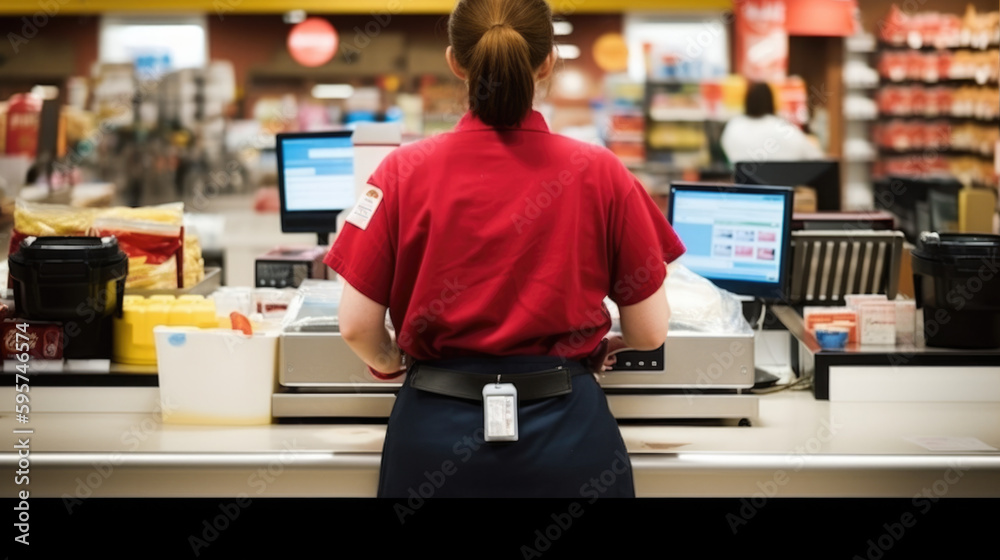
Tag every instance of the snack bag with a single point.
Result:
(194, 264)
(152, 236)
(43, 220)
(154, 250)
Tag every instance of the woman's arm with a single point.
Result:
(644, 324)
(362, 325)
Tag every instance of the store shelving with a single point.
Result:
(938, 112)
(860, 112)
(939, 88)
(680, 118)
(622, 124)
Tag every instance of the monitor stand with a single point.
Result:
(763, 378)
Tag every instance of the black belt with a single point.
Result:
(469, 385)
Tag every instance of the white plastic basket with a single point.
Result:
(215, 376)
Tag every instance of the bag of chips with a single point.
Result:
(152, 237)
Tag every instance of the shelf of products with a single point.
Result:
(676, 114)
(931, 67)
(937, 103)
(898, 135)
(622, 123)
(940, 31)
(965, 102)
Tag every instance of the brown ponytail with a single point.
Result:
(500, 44)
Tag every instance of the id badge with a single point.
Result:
(500, 411)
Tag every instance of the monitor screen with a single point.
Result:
(737, 236)
(315, 179)
(821, 175)
(919, 203)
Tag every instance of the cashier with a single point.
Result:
(492, 247)
(760, 135)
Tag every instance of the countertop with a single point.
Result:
(797, 447)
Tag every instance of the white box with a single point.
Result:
(215, 376)
(877, 322)
(855, 301)
(906, 321)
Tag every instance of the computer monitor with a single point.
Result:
(920, 203)
(821, 175)
(737, 236)
(315, 180)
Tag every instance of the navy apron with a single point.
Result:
(568, 447)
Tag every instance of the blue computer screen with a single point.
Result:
(732, 236)
(318, 173)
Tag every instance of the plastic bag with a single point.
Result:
(194, 263)
(154, 251)
(151, 236)
(45, 220)
(696, 304)
(42, 220)
(153, 239)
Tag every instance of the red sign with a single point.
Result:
(23, 116)
(820, 18)
(761, 40)
(313, 42)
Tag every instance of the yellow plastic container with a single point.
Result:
(134, 343)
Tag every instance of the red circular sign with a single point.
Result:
(313, 42)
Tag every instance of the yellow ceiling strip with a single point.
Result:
(222, 7)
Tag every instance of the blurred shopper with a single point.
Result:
(761, 135)
(493, 248)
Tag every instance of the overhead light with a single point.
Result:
(562, 27)
(568, 52)
(332, 91)
(294, 16)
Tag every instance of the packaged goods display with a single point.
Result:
(867, 319)
(968, 101)
(152, 237)
(937, 104)
(940, 30)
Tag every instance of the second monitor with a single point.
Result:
(821, 175)
(315, 180)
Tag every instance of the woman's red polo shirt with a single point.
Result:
(505, 243)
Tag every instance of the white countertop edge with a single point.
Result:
(826, 461)
(640, 462)
(288, 459)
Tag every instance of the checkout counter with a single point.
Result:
(110, 442)
(108, 439)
